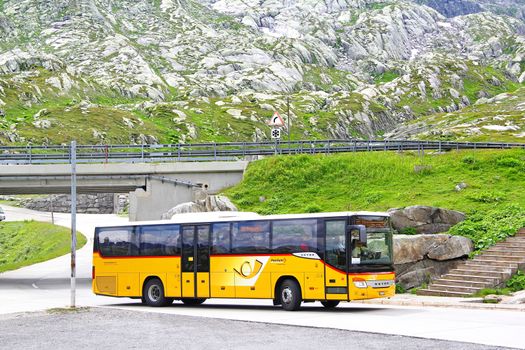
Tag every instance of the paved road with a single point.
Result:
(119, 329)
(46, 285)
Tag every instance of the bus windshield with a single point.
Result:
(378, 250)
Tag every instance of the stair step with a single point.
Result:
(487, 263)
(450, 282)
(457, 277)
(499, 257)
(447, 288)
(487, 268)
(510, 251)
(511, 244)
(494, 274)
(492, 262)
(431, 292)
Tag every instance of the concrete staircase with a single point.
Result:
(487, 270)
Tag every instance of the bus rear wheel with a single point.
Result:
(290, 295)
(193, 301)
(330, 304)
(153, 293)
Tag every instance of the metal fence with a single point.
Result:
(223, 151)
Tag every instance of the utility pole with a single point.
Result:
(288, 121)
(73, 220)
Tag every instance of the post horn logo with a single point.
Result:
(246, 270)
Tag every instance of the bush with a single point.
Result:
(509, 162)
(312, 208)
(486, 228)
(487, 197)
(400, 289)
(517, 282)
(408, 231)
(468, 159)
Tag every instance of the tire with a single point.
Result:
(290, 294)
(195, 301)
(153, 293)
(330, 304)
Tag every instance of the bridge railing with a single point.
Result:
(223, 151)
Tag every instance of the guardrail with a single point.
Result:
(222, 151)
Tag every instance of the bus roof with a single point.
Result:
(222, 216)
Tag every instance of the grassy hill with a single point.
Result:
(494, 196)
(24, 243)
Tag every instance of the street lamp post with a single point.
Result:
(73, 220)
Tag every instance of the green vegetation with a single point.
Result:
(400, 289)
(385, 77)
(484, 119)
(487, 226)
(382, 180)
(325, 78)
(514, 284)
(487, 79)
(29, 242)
(377, 5)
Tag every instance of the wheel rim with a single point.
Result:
(286, 295)
(154, 293)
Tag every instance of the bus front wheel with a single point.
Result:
(290, 295)
(330, 304)
(153, 293)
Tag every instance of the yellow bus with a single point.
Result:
(326, 257)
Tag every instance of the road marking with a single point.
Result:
(34, 286)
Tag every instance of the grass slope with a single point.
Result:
(379, 181)
(24, 243)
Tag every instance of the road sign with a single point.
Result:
(276, 133)
(276, 120)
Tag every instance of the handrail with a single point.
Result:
(53, 154)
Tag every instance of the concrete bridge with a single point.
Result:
(153, 188)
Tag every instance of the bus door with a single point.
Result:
(336, 258)
(196, 261)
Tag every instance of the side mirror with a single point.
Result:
(358, 233)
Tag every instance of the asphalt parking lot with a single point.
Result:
(121, 329)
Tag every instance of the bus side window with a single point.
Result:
(290, 236)
(160, 240)
(220, 238)
(251, 237)
(117, 241)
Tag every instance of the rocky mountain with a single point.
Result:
(215, 70)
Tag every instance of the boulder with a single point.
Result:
(208, 204)
(420, 258)
(183, 208)
(219, 203)
(440, 247)
(426, 220)
(517, 298)
(454, 247)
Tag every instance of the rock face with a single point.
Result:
(419, 258)
(452, 8)
(102, 203)
(424, 219)
(354, 67)
(210, 203)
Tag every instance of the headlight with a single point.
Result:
(359, 283)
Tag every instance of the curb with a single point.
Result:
(474, 303)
